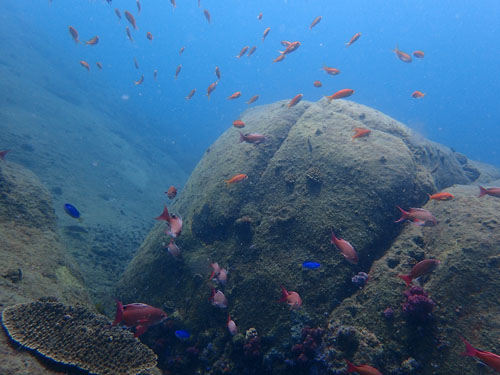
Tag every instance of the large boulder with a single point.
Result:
(307, 178)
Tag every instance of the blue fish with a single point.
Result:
(71, 210)
(311, 265)
(182, 335)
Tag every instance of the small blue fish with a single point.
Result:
(71, 210)
(182, 335)
(311, 265)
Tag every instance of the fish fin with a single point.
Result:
(212, 293)
(119, 313)
(284, 294)
(404, 215)
(333, 238)
(164, 215)
(418, 222)
(350, 366)
(139, 330)
(407, 279)
(242, 137)
(482, 191)
(470, 351)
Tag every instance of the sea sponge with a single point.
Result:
(74, 335)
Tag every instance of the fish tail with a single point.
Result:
(228, 182)
(350, 366)
(333, 238)
(119, 313)
(284, 294)
(404, 215)
(242, 137)
(482, 191)
(407, 279)
(212, 293)
(470, 351)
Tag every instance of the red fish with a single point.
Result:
(259, 17)
(178, 70)
(215, 270)
(191, 94)
(138, 315)
(417, 94)
(231, 326)
(182, 50)
(292, 299)
(129, 34)
(421, 268)
(353, 39)
(285, 43)
(217, 72)
(344, 93)
(315, 22)
(74, 34)
(345, 248)
(237, 178)
(149, 35)
(317, 84)
(494, 192)
(3, 153)
(99, 65)
(490, 359)
(419, 54)
(174, 222)
(211, 88)
(93, 41)
(362, 369)
(130, 18)
(360, 132)
(242, 52)
(207, 15)
(251, 51)
(118, 14)
(85, 64)
(140, 80)
(253, 99)
(252, 138)
(266, 31)
(403, 56)
(238, 124)
(441, 196)
(417, 216)
(331, 71)
(236, 95)
(295, 100)
(281, 57)
(173, 249)
(291, 48)
(218, 299)
(171, 192)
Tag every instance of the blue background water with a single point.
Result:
(460, 72)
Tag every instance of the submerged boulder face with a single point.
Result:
(308, 177)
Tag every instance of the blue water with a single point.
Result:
(459, 74)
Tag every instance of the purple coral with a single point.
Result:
(304, 352)
(418, 306)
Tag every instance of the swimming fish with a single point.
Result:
(191, 94)
(182, 50)
(290, 48)
(259, 17)
(331, 71)
(138, 315)
(441, 196)
(173, 249)
(211, 88)
(130, 18)
(178, 70)
(137, 2)
(136, 63)
(417, 216)
(252, 138)
(344, 93)
(174, 222)
(155, 74)
(218, 299)
(345, 248)
(417, 94)
(149, 35)
(215, 270)
(281, 57)
(311, 265)
(266, 31)
(285, 43)
(419, 54)
(118, 14)
(129, 34)
(99, 64)
(490, 359)
(182, 334)
(207, 15)
(494, 192)
(353, 39)
(295, 100)
(253, 99)
(242, 52)
(317, 84)
(315, 22)
(231, 326)
(292, 299)
(74, 34)
(251, 51)
(3, 153)
(236, 95)
(171, 192)
(140, 80)
(403, 56)
(362, 369)
(421, 268)
(236, 178)
(85, 64)
(175, 5)
(360, 132)
(71, 211)
(217, 72)
(238, 124)
(93, 41)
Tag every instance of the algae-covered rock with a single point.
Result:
(308, 177)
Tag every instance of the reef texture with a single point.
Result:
(308, 177)
(74, 335)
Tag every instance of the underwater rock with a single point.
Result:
(73, 335)
(308, 178)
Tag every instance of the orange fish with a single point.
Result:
(295, 100)
(344, 93)
(238, 124)
(182, 50)
(99, 65)
(118, 14)
(149, 35)
(242, 52)
(251, 51)
(317, 84)
(331, 71)
(93, 41)
(441, 196)
(141, 80)
(292, 299)
(353, 39)
(237, 178)
(360, 132)
(491, 359)
(266, 31)
(171, 192)
(259, 17)
(417, 94)
(74, 34)
(174, 222)
(129, 34)
(207, 15)
(191, 94)
(138, 6)
(279, 58)
(217, 72)
(403, 56)
(252, 138)
(419, 54)
(290, 48)
(315, 22)
(345, 248)
(85, 64)
(253, 99)
(362, 369)
(211, 88)
(236, 95)
(178, 70)
(130, 18)
(420, 269)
